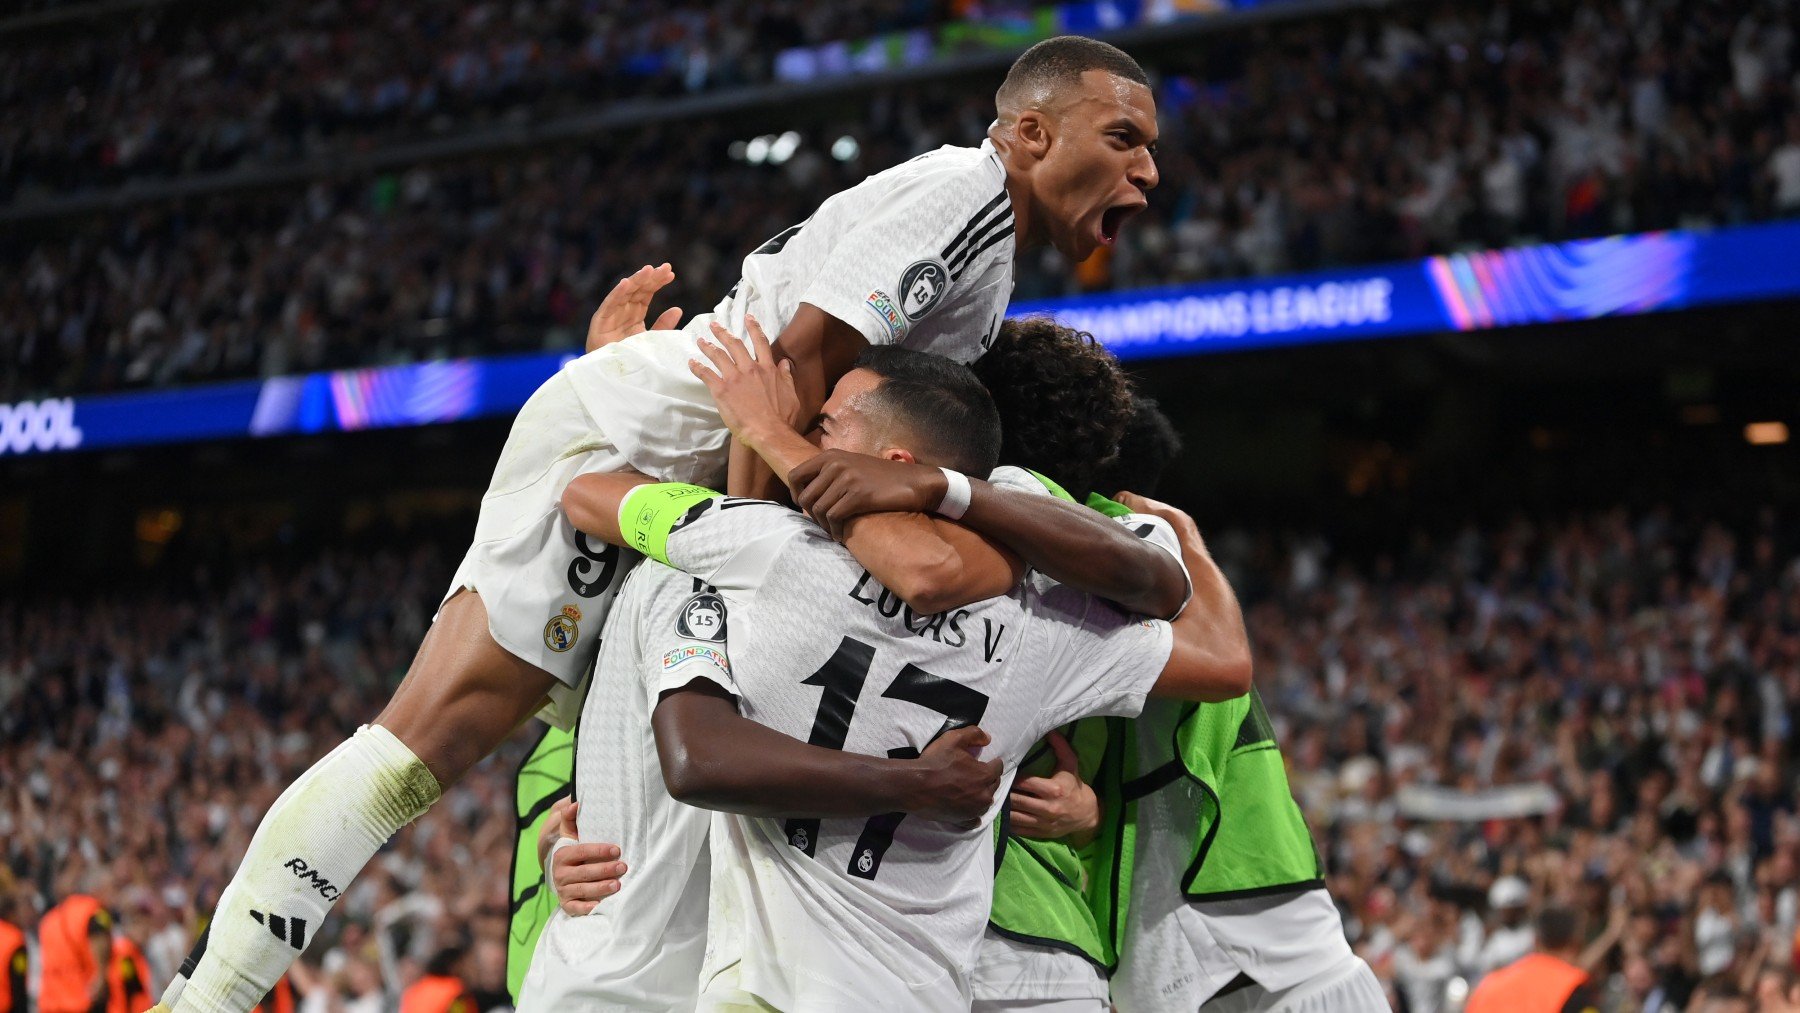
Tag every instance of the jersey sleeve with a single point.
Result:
(1009, 476)
(901, 263)
(685, 633)
(726, 541)
(1161, 534)
(1106, 661)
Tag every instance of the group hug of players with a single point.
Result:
(877, 702)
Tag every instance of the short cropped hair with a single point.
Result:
(1556, 928)
(1063, 400)
(940, 403)
(1062, 60)
(1149, 444)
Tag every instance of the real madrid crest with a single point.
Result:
(563, 629)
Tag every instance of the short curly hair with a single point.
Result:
(1064, 402)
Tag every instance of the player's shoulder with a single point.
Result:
(951, 160)
(952, 178)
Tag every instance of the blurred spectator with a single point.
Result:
(1511, 935)
(1549, 980)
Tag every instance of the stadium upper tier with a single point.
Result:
(1320, 142)
(181, 88)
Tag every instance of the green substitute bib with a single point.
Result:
(1251, 838)
(546, 775)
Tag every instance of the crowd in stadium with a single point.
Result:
(1643, 666)
(1427, 128)
(165, 92)
(148, 734)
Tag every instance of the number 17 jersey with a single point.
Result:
(887, 912)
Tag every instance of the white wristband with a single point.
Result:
(956, 494)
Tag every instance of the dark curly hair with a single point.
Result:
(1064, 402)
(1149, 444)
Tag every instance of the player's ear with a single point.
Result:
(1034, 132)
(898, 454)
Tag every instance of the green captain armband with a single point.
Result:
(649, 513)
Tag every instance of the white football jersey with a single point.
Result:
(920, 255)
(641, 949)
(881, 913)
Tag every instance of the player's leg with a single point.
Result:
(462, 696)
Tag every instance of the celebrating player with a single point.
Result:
(919, 255)
(884, 913)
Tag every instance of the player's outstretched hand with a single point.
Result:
(1059, 806)
(836, 486)
(958, 787)
(622, 312)
(582, 875)
(754, 390)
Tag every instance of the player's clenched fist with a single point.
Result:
(957, 786)
(582, 875)
(754, 389)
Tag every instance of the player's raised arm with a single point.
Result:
(1210, 659)
(715, 758)
(1068, 543)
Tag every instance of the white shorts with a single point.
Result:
(547, 587)
(1011, 975)
(1347, 986)
(722, 995)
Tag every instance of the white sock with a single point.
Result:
(315, 839)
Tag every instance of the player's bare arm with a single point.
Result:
(1068, 543)
(715, 758)
(932, 564)
(1210, 660)
(819, 349)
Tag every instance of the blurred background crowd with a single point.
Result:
(146, 734)
(1644, 668)
(1425, 128)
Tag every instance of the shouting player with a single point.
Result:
(883, 913)
(919, 255)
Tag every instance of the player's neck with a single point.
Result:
(1018, 191)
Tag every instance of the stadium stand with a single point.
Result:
(182, 88)
(1424, 129)
(1642, 666)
